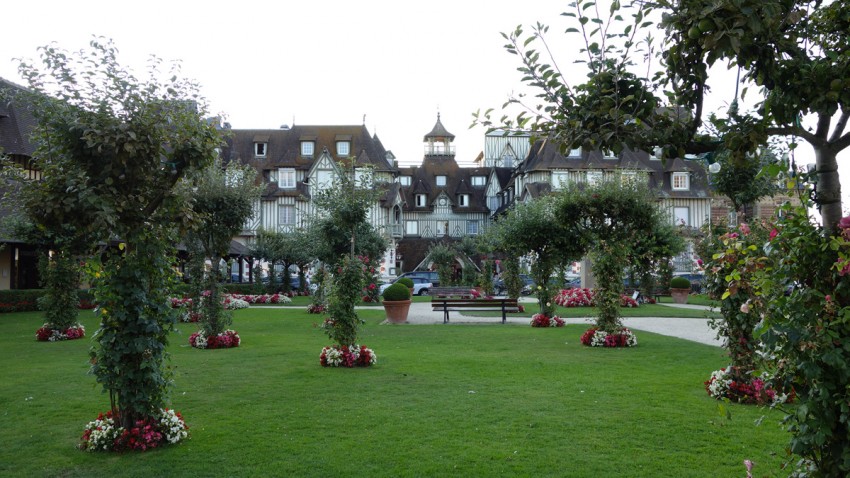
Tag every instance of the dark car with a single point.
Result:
(527, 287)
(429, 276)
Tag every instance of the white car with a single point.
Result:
(420, 286)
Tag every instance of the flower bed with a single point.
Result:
(344, 356)
(594, 337)
(262, 298)
(723, 384)
(541, 320)
(49, 334)
(233, 303)
(104, 434)
(225, 340)
(585, 298)
(315, 308)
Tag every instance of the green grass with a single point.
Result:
(485, 400)
(693, 299)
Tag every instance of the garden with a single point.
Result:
(487, 400)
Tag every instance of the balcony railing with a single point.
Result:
(439, 150)
(395, 230)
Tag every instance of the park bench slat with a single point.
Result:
(445, 305)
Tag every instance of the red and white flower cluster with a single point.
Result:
(723, 384)
(104, 434)
(584, 298)
(541, 320)
(263, 298)
(49, 334)
(227, 339)
(594, 337)
(345, 356)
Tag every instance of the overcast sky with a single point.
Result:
(265, 64)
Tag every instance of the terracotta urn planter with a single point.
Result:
(680, 296)
(397, 310)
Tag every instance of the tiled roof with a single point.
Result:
(439, 131)
(458, 181)
(16, 122)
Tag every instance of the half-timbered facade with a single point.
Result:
(296, 163)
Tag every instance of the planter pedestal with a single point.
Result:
(397, 310)
(680, 296)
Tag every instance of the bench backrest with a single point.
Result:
(450, 291)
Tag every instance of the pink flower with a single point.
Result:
(699, 262)
(744, 228)
(844, 223)
(745, 307)
(828, 298)
(773, 234)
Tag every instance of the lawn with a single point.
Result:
(486, 400)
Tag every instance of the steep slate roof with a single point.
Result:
(458, 181)
(439, 131)
(16, 122)
(545, 155)
(283, 150)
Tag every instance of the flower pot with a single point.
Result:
(397, 310)
(680, 296)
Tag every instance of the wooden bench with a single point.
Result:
(446, 299)
(656, 293)
(451, 292)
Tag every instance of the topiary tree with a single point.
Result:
(121, 146)
(349, 241)
(223, 198)
(443, 257)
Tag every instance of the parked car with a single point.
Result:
(527, 288)
(430, 276)
(420, 286)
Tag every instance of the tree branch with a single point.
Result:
(839, 127)
(822, 130)
(797, 131)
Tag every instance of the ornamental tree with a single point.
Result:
(112, 149)
(540, 229)
(350, 244)
(223, 200)
(622, 222)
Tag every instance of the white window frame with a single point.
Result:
(682, 216)
(594, 177)
(472, 228)
(343, 148)
(629, 178)
(404, 180)
(608, 154)
(288, 218)
(421, 200)
(411, 228)
(463, 200)
(674, 177)
(479, 181)
(286, 178)
(261, 149)
(575, 153)
(440, 180)
(560, 179)
(308, 148)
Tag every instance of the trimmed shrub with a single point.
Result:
(20, 300)
(680, 283)
(405, 281)
(397, 291)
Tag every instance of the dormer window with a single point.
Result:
(441, 180)
(680, 182)
(343, 148)
(478, 181)
(308, 148)
(463, 200)
(404, 180)
(260, 150)
(421, 200)
(286, 178)
(608, 154)
(575, 153)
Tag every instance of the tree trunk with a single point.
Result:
(828, 187)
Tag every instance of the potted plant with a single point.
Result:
(407, 282)
(397, 303)
(680, 287)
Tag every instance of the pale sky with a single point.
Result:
(265, 64)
